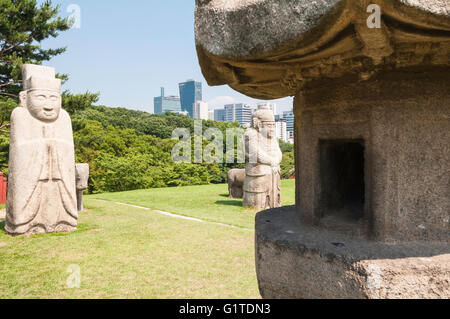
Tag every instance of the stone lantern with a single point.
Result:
(372, 139)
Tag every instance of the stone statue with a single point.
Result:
(81, 178)
(41, 185)
(263, 156)
(236, 178)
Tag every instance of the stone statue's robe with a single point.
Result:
(262, 183)
(42, 172)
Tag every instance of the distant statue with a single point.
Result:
(263, 158)
(41, 185)
(236, 178)
(81, 179)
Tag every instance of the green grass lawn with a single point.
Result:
(209, 203)
(128, 252)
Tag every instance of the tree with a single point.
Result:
(287, 165)
(286, 147)
(74, 103)
(23, 25)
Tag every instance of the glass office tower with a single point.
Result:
(240, 112)
(190, 92)
(219, 115)
(162, 104)
(290, 118)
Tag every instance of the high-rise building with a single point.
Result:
(190, 92)
(211, 115)
(289, 117)
(240, 112)
(270, 106)
(162, 104)
(281, 130)
(219, 115)
(201, 110)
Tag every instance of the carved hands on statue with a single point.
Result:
(266, 159)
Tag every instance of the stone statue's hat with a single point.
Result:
(264, 114)
(40, 77)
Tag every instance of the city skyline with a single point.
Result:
(255, 103)
(155, 57)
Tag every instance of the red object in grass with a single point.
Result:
(3, 187)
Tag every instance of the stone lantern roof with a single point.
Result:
(270, 49)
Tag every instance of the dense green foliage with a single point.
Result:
(288, 163)
(129, 150)
(74, 103)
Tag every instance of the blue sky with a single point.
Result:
(127, 50)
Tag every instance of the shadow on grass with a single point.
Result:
(225, 195)
(230, 202)
(81, 228)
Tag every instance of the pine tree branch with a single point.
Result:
(5, 125)
(9, 94)
(4, 49)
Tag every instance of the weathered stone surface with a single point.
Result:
(81, 178)
(248, 27)
(401, 121)
(294, 260)
(242, 28)
(439, 7)
(269, 49)
(236, 178)
(263, 158)
(41, 184)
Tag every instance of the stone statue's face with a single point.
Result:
(81, 182)
(44, 105)
(267, 129)
(81, 176)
